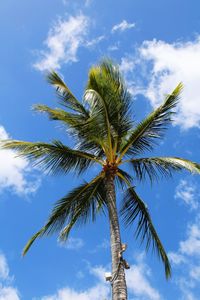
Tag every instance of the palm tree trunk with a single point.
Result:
(118, 282)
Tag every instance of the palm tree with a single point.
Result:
(105, 134)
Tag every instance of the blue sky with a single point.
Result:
(157, 45)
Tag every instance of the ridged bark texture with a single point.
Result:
(118, 283)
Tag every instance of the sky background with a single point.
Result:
(157, 45)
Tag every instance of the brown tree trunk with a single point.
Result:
(118, 282)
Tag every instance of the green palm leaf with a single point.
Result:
(54, 157)
(150, 129)
(121, 98)
(123, 178)
(99, 121)
(105, 87)
(66, 97)
(134, 208)
(94, 146)
(70, 119)
(84, 129)
(164, 166)
(79, 206)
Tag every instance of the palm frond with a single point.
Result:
(65, 95)
(54, 79)
(99, 120)
(95, 147)
(79, 206)
(31, 241)
(54, 157)
(123, 178)
(151, 128)
(134, 208)
(74, 120)
(121, 98)
(86, 131)
(106, 83)
(164, 166)
(76, 123)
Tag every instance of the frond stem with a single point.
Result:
(123, 178)
(107, 123)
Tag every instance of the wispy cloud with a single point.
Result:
(127, 65)
(4, 270)
(88, 2)
(187, 192)
(72, 243)
(191, 245)
(176, 258)
(105, 244)
(15, 171)
(63, 41)
(195, 273)
(124, 25)
(114, 47)
(94, 41)
(187, 261)
(7, 292)
(85, 3)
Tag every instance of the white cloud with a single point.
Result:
(138, 284)
(99, 272)
(88, 2)
(72, 243)
(176, 258)
(99, 291)
(186, 287)
(7, 292)
(4, 270)
(187, 192)
(105, 244)
(124, 25)
(14, 171)
(95, 41)
(187, 262)
(114, 47)
(191, 246)
(80, 275)
(137, 278)
(138, 281)
(160, 66)
(127, 65)
(195, 273)
(171, 64)
(63, 42)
